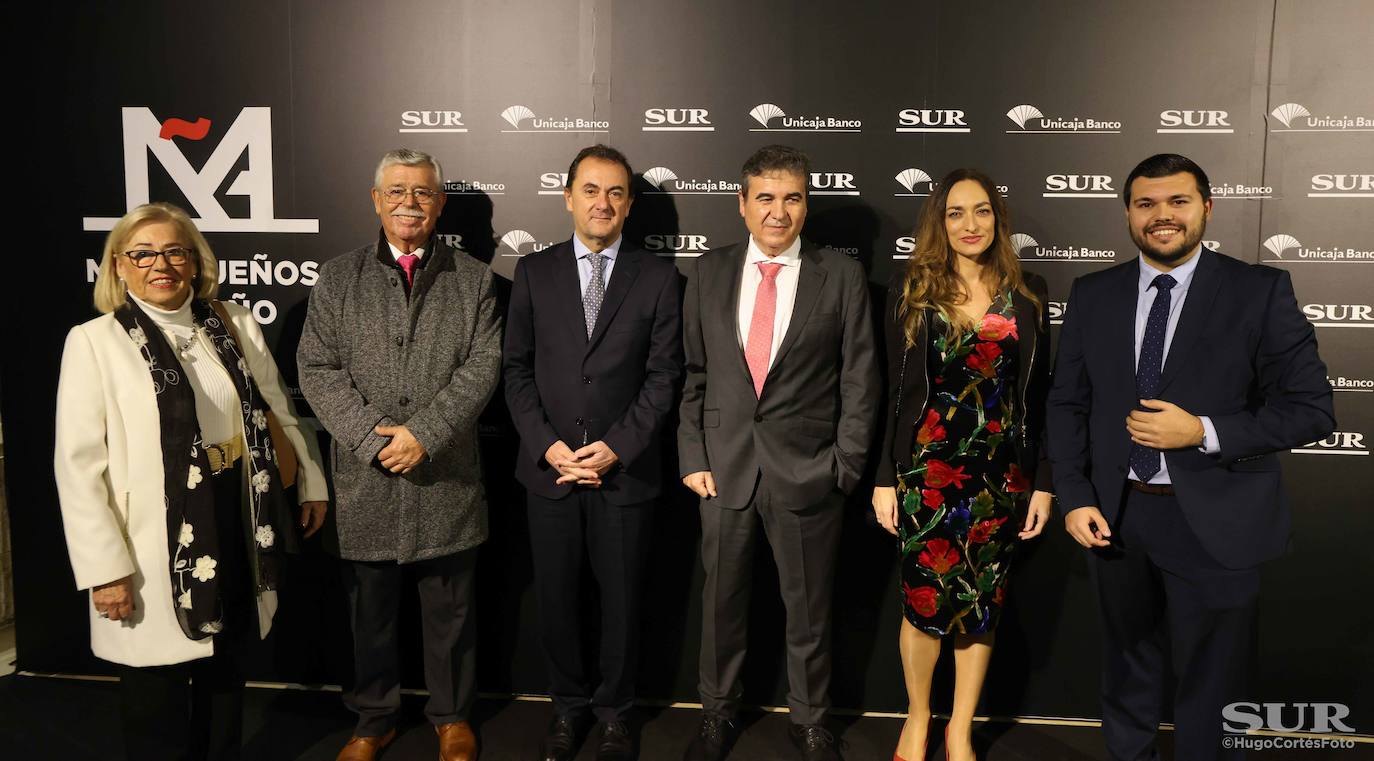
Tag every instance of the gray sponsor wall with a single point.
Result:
(1056, 100)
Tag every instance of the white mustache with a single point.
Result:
(403, 212)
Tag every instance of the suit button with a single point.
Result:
(393, 282)
(400, 341)
(577, 421)
(758, 418)
(586, 380)
(405, 400)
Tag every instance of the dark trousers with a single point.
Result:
(804, 543)
(447, 625)
(1167, 606)
(193, 711)
(615, 539)
(189, 711)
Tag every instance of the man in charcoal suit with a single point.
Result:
(777, 418)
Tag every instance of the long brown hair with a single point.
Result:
(932, 278)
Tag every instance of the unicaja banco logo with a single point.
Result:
(765, 113)
(1028, 249)
(1286, 113)
(666, 181)
(1022, 113)
(1296, 118)
(250, 133)
(1277, 244)
(1286, 248)
(1030, 120)
(913, 178)
(516, 116)
(659, 175)
(515, 241)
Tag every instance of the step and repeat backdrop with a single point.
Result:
(266, 119)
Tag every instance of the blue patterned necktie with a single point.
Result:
(595, 293)
(1145, 460)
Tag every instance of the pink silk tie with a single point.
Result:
(760, 341)
(407, 262)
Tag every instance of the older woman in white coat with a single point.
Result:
(170, 467)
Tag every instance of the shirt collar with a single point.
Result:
(1182, 274)
(790, 256)
(396, 252)
(582, 252)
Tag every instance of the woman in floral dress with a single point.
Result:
(969, 355)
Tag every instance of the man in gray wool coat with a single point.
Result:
(400, 352)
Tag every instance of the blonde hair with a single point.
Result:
(110, 292)
(932, 281)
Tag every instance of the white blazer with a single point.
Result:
(108, 463)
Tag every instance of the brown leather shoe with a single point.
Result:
(365, 748)
(456, 742)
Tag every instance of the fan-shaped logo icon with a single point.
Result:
(515, 239)
(515, 114)
(1280, 243)
(1020, 241)
(1288, 112)
(1024, 113)
(765, 111)
(910, 178)
(659, 175)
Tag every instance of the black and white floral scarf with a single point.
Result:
(192, 541)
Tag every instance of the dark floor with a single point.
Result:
(50, 718)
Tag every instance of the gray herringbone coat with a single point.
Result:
(369, 356)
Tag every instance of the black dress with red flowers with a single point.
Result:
(962, 501)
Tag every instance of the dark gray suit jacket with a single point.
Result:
(810, 432)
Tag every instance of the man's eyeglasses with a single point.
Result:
(423, 196)
(144, 259)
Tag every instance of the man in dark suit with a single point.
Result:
(777, 417)
(593, 355)
(1179, 377)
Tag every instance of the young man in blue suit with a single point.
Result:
(1180, 376)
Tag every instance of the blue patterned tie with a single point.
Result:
(595, 293)
(1145, 460)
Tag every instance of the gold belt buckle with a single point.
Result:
(224, 454)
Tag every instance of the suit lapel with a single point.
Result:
(569, 289)
(1196, 306)
(623, 276)
(809, 282)
(1121, 325)
(731, 281)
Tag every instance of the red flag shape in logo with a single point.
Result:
(181, 128)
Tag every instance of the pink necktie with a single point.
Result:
(760, 341)
(407, 262)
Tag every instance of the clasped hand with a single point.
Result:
(1165, 426)
(583, 467)
(403, 452)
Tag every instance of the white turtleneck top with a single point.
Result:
(217, 401)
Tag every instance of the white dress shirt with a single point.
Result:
(790, 259)
(1145, 298)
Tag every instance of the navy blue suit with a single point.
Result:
(618, 386)
(1182, 575)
